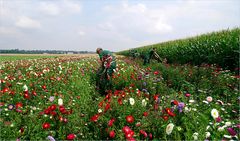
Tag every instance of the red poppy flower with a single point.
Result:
(165, 118)
(18, 105)
(142, 132)
(171, 114)
(130, 119)
(145, 114)
(5, 90)
(129, 135)
(44, 87)
(62, 109)
(53, 113)
(26, 96)
(100, 104)
(175, 102)
(34, 93)
(107, 107)
(112, 134)
(126, 129)
(155, 97)
(120, 101)
(168, 110)
(47, 111)
(110, 122)
(53, 107)
(156, 73)
(95, 118)
(46, 125)
(71, 136)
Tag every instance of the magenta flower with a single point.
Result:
(232, 132)
(187, 94)
(218, 119)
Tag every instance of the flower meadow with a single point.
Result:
(55, 99)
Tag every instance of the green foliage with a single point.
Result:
(151, 94)
(221, 48)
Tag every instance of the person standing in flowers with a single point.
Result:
(106, 70)
(152, 54)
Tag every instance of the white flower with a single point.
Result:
(205, 102)
(144, 102)
(209, 99)
(191, 101)
(169, 128)
(195, 136)
(131, 101)
(227, 136)
(220, 129)
(25, 88)
(207, 127)
(208, 134)
(99, 110)
(12, 125)
(60, 102)
(214, 113)
(186, 109)
(60, 67)
(228, 124)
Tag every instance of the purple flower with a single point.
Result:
(180, 106)
(50, 138)
(232, 132)
(144, 83)
(10, 107)
(144, 90)
(51, 98)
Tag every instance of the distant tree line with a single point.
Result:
(17, 51)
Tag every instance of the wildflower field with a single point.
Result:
(54, 98)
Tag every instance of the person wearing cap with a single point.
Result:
(152, 54)
(106, 70)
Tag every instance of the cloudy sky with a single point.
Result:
(111, 24)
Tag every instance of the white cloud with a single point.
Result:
(26, 22)
(137, 18)
(107, 26)
(81, 33)
(60, 7)
(50, 9)
(7, 31)
(138, 8)
(72, 7)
